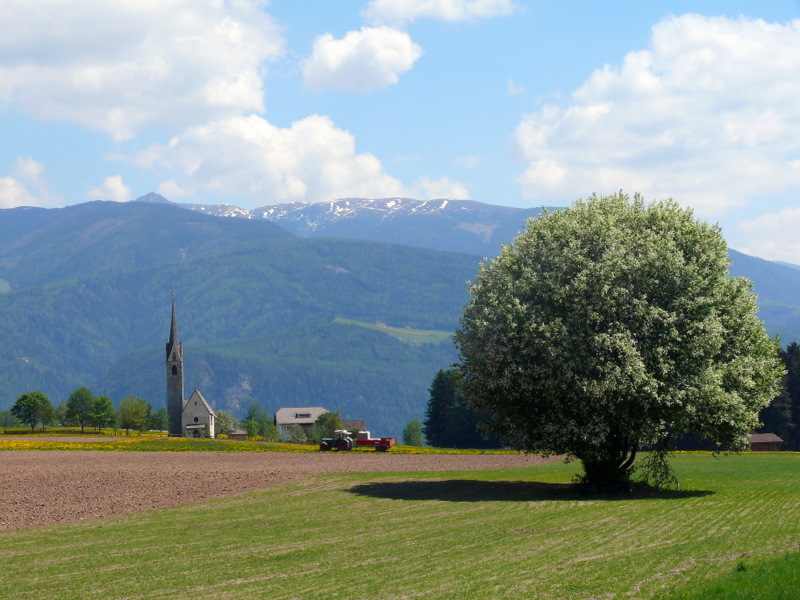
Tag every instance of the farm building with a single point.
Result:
(765, 442)
(305, 417)
(354, 424)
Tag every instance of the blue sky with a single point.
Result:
(501, 101)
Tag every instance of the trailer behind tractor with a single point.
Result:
(342, 440)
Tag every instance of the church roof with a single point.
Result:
(198, 397)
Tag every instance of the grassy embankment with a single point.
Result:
(523, 533)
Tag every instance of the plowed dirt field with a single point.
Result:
(42, 488)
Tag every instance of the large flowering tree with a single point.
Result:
(613, 325)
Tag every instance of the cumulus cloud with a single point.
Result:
(171, 189)
(444, 187)
(311, 161)
(774, 236)
(400, 12)
(708, 115)
(362, 61)
(26, 186)
(123, 65)
(113, 188)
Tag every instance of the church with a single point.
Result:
(192, 417)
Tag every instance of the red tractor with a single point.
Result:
(342, 440)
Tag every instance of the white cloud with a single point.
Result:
(171, 189)
(444, 187)
(123, 65)
(399, 12)
(310, 161)
(514, 89)
(113, 188)
(26, 186)
(707, 115)
(14, 193)
(774, 236)
(363, 61)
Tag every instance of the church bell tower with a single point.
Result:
(174, 377)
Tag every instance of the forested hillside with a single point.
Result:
(40, 246)
(362, 373)
(88, 296)
(778, 289)
(257, 320)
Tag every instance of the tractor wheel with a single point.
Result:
(381, 448)
(325, 446)
(342, 445)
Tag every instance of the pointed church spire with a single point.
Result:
(175, 397)
(173, 331)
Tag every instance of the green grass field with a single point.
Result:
(525, 533)
(409, 336)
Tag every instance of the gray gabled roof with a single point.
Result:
(764, 437)
(306, 415)
(196, 395)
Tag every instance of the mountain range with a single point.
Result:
(449, 225)
(290, 305)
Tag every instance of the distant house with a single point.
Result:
(354, 424)
(237, 434)
(305, 417)
(765, 442)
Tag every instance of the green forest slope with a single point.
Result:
(257, 320)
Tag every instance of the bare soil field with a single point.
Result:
(43, 488)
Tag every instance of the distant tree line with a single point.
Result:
(782, 416)
(84, 409)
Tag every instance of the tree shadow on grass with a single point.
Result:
(471, 490)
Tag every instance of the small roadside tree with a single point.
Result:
(610, 326)
(7, 419)
(133, 413)
(102, 413)
(159, 420)
(254, 412)
(60, 417)
(32, 408)
(267, 430)
(324, 426)
(251, 425)
(226, 422)
(79, 407)
(412, 433)
(294, 434)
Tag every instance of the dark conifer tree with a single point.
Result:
(791, 358)
(449, 421)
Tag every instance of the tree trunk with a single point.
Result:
(611, 471)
